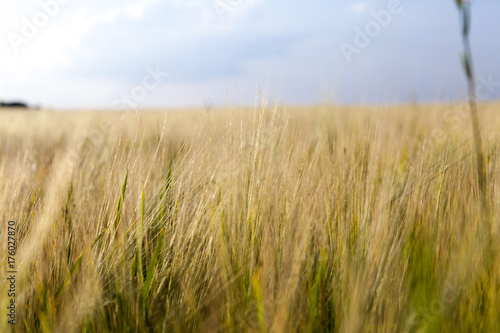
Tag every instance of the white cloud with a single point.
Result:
(136, 9)
(48, 51)
(92, 50)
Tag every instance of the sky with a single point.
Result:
(129, 54)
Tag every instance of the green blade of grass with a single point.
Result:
(120, 202)
(68, 279)
(152, 266)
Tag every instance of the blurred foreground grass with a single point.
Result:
(266, 219)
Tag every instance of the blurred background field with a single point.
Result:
(279, 219)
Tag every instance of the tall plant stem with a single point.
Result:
(476, 129)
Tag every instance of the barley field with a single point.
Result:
(264, 219)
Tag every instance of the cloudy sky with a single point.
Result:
(178, 53)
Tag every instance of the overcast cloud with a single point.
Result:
(90, 53)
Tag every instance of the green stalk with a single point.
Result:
(464, 8)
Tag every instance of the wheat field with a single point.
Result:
(264, 219)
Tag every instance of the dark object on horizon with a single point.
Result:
(17, 105)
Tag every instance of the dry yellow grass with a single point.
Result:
(362, 219)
